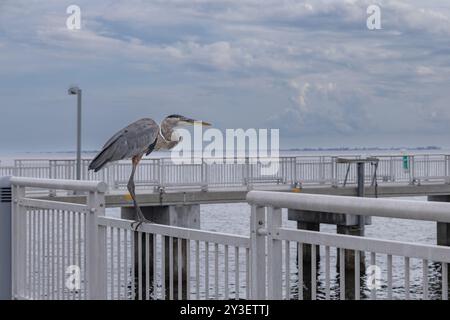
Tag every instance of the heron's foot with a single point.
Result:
(136, 224)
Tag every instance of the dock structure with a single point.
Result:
(205, 174)
(171, 195)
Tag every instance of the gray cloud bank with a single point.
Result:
(310, 68)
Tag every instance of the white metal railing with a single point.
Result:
(167, 262)
(162, 173)
(114, 261)
(285, 244)
(50, 238)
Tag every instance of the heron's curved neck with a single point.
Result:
(166, 131)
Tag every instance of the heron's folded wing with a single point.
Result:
(135, 139)
(132, 140)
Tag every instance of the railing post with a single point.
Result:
(258, 252)
(18, 168)
(244, 172)
(391, 169)
(446, 169)
(18, 238)
(292, 170)
(96, 248)
(107, 176)
(322, 170)
(6, 254)
(411, 169)
(334, 180)
(249, 173)
(274, 254)
(284, 172)
(204, 175)
(52, 175)
(161, 173)
(110, 178)
(82, 171)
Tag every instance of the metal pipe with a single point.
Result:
(402, 209)
(94, 186)
(360, 179)
(77, 91)
(79, 134)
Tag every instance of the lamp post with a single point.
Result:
(77, 91)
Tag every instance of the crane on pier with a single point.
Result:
(136, 140)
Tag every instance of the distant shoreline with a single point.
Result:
(319, 149)
(428, 148)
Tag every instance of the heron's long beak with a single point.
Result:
(196, 122)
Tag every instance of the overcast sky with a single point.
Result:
(309, 68)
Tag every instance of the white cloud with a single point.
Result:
(424, 71)
(324, 107)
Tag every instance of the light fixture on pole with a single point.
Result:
(77, 91)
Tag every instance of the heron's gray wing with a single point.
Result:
(132, 140)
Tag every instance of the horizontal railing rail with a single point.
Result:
(179, 232)
(73, 185)
(390, 208)
(391, 247)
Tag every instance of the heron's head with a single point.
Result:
(175, 120)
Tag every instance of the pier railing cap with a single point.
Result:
(390, 208)
(59, 184)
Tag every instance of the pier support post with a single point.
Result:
(187, 216)
(346, 224)
(442, 229)
(354, 226)
(349, 256)
(307, 256)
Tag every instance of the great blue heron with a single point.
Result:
(136, 140)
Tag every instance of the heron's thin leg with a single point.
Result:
(140, 218)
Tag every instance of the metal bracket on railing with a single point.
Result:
(161, 190)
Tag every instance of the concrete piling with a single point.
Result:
(442, 229)
(187, 216)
